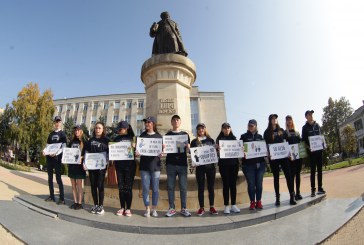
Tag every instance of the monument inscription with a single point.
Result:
(167, 106)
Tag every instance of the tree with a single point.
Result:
(349, 140)
(68, 126)
(6, 120)
(335, 114)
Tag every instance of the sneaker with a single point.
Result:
(100, 210)
(120, 212)
(259, 205)
(185, 212)
(127, 213)
(50, 199)
(73, 206)
(94, 209)
(147, 213)
(201, 212)
(154, 213)
(78, 206)
(235, 209)
(313, 192)
(226, 210)
(213, 210)
(61, 202)
(321, 191)
(252, 205)
(298, 197)
(171, 212)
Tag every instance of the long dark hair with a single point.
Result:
(130, 131)
(221, 134)
(154, 128)
(103, 129)
(270, 128)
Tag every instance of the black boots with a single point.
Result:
(278, 202)
(313, 192)
(298, 196)
(292, 200)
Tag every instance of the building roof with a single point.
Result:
(357, 113)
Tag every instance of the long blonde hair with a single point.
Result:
(80, 138)
(206, 134)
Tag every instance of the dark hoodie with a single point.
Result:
(310, 130)
(249, 137)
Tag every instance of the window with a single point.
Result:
(85, 107)
(115, 119)
(96, 105)
(83, 120)
(358, 125)
(128, 104)
(127, 118)
(117, 104)
(75, 120)
(106, 106)
(93, 119)
(140, 103)
(138, 131)
(194, 115)
(139, 118)
(77, 107)
(60, 108)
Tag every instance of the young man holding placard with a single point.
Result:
(312, 128)
(176, 164)
(54, 160)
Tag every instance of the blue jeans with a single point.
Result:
(148, 178)
(254, 177)
(172, 172)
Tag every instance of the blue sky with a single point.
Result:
(267, 56)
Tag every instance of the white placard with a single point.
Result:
(95, 161)
(255, 149)
(203, 155)
(175, 143)
(294, 151)
(121, 151)
(52, 149)
(231, 148)
(71, 156)
(279, 150)
(149, 146)
(317, 142)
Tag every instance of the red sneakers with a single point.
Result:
(259, 205)
(213, 210)
(200, 212)
(252, 205)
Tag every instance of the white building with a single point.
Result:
(206, 107)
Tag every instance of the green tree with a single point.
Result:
(348, 139)
(68, 126)
(335, 114)
(5, 123)
(85, 130)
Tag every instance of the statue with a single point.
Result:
(167, 38)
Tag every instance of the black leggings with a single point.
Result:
(274, 164)
(316, 162)
(125, 175)
(296, 167)
(210, 172)
(97, 178)
(229, 175)
(56, 165)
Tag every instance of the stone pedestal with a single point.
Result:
(168, 79)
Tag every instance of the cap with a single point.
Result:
(201, 125)
(253, 122)
(77, 126)
(225, 125)
(289, 117)
(122, 124)
(175, 116)
(271, 116)
(149, 119)
(308, 111)
(57, 118)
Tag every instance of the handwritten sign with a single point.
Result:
(231, 148)
(52, 149)
(255, 149)
(203, 155)
(149, 146)
(279, 150)
(95, 161)
(317, 142)
(71, 156)
(121, 151)
(175, 143)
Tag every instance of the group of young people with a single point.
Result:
(177, 166)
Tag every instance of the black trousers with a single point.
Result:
(125, 176)
(296, 167)
(316, 162)
(97, 178)
(229, 176)
(56, 165)
(206, 172)
(274, 164)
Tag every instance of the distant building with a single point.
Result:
(356, 120)
(206, 107)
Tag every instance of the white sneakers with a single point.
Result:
(226, 210)
(149, 213)
(235, 209)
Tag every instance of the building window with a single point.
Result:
(75, 120)
(96, 105)
(60, 108)
(128, 104)
(77, 106)
(106, 106)
(140, 103)
(115, 119)
(358, 125)
(85, 107)
(93, 119)
(139, 118)
(117, 105)
(127, 118)
(83, 120)
(138, 131)
(194, 115)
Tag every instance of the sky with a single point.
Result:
(283, 57)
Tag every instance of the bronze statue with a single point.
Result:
(167, 38)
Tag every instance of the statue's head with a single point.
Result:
(164, 15)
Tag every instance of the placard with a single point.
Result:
(255, 149)
(52, 149)
(317, 142)
(175, 143)
(298, 151)
(95, 161)
(231, 148)
(279, 150)
(71, 156)
(203, 155)
(302, 150)
(121, 151)
(149, 146)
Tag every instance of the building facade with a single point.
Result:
(356, 120)
(206, 107)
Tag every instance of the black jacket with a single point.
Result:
(275, 137)
(227, 161)
(125, 164)
(292, 137)
(150, 163)
(310, 130)
(177, 158)
(249, 137)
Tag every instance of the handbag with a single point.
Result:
(111, 175)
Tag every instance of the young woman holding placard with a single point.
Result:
(98, 143)
(205, 171)
(275, 134)
(228, 168)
